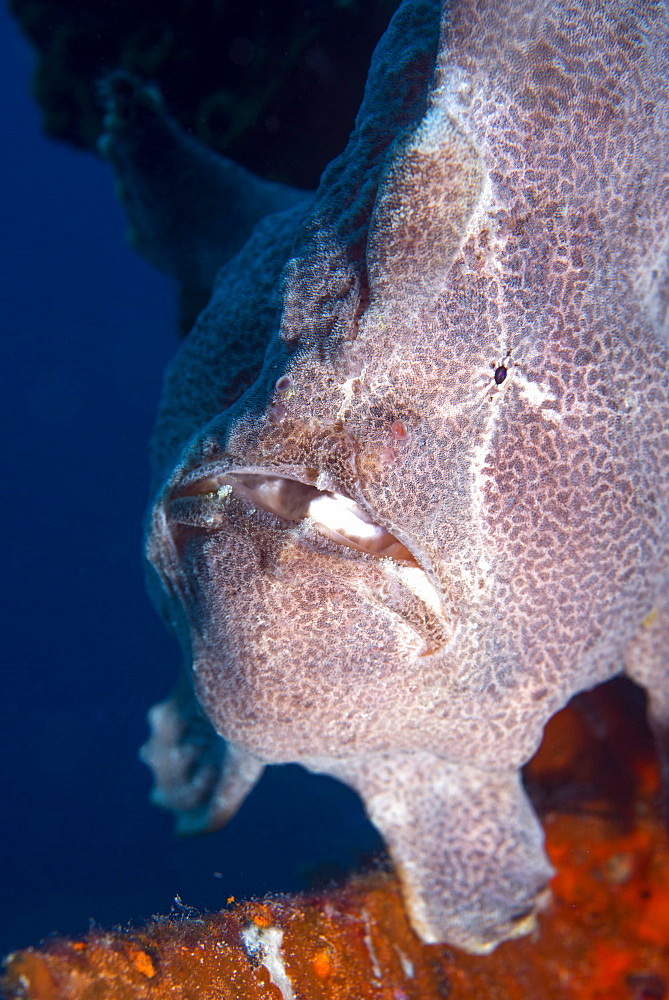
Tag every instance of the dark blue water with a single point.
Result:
(86, 330)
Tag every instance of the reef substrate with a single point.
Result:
(604, 935)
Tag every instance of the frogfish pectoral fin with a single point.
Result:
(466, 844)
(647, 663)
(197, 774)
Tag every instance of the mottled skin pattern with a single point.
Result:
(467, 332)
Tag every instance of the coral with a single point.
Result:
(604, 936)
(257, 81)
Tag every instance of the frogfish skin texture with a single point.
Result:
(412, 461)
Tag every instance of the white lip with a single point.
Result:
(332, 514)
(342, 520)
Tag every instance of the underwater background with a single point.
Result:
(87, 330)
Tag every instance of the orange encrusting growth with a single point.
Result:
(605, 935)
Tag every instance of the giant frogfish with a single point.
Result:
(411, 463)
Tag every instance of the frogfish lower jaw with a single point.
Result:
(285, 513)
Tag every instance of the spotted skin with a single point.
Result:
(467, 336)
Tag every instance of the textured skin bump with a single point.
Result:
(438, 166)
(502, 207)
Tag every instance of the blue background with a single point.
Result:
(86, 330)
